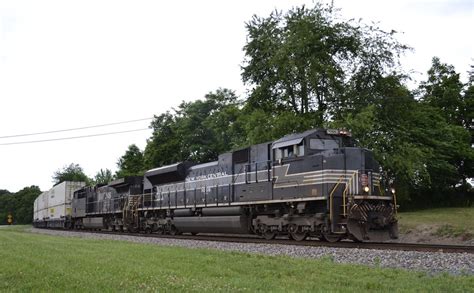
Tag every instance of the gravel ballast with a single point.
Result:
(431, 262)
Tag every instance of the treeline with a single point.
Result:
(307, 68)
(19, 205)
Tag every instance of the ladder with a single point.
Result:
(130, 212)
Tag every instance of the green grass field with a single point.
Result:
(448, 222)
(32, 262)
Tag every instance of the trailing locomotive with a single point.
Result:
(314, 183)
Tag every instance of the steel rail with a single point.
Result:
(313, 242)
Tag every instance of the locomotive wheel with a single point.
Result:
(148, 230)
(298, 236)
(173, 230)
(295, 232)
(269, 235)
(132, 229)
(331, 238)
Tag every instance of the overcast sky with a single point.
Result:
(68, 64)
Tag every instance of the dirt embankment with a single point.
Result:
(436, 234)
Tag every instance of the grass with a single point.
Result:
(446, 222)
(32, 262)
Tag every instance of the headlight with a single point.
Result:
(392, 190)
(366, 189)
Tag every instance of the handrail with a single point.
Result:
(248, 170)
(234, 179)
(330, 197)
(395, 202)
(380, 191)
(344, 193)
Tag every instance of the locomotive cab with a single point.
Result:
(326, 164)
(309, 143)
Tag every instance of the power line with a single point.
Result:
(72, 129)
(72, 137)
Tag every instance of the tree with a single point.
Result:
(468, 97)
(4, 191)
(414, 142)
(443, 90)
(103, 177)
(19, 204)
(131, 163)
(23, 212)
(260, 126)
(307, 61)
(72, 172)
(165, 145)
(198, 131)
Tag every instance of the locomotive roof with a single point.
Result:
(205, 165)
(125, 181)
(162, 168)
(169, 173)
(292, 139)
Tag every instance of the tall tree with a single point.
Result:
(469, 100)
(103, 176)
(131, 163)
(71, 172)
(444, 90)
(309, 61)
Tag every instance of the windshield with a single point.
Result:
(323, 144)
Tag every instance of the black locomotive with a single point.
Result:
(314, 183)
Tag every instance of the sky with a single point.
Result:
(71, 64)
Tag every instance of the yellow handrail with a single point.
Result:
(344, 194)
(330, 197)
(395, 202)
(394, 199)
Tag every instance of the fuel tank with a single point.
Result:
(215, 224)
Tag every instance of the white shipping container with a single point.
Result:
(40, 207)
(35, 209)
(38, 214)
(56, 203)
(40, 199)
(44, 205)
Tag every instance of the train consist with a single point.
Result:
(314, 183)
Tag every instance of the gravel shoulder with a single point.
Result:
(430, 262)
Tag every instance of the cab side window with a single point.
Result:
(291, 151)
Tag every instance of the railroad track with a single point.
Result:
(309, 242)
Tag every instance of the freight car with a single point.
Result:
(315, 183)
(53, 208)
